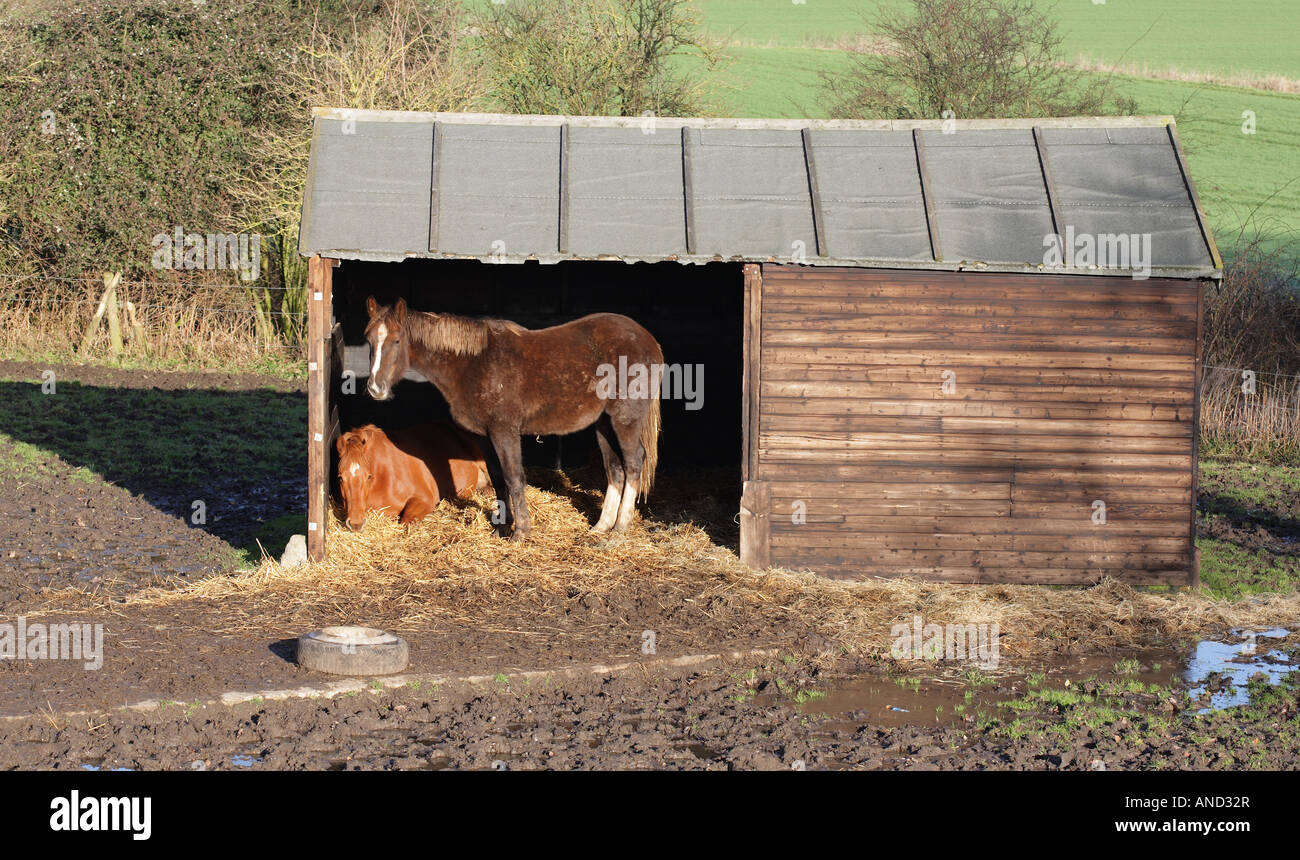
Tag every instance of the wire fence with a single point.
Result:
(1256, 372)
(24, 293)
(50, 303)
(302, 314)
(22, 279)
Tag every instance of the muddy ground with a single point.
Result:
(97, 483)
(758, 714)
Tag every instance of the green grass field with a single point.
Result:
(776, 52)
(1244, 37)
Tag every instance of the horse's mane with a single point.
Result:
(450, 333)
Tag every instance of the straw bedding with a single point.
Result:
(676, 571)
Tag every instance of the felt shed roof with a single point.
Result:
(957, 195)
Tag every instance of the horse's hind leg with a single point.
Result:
(510, 454)
(610, 452)
(629, 439)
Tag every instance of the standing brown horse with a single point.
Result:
(502, 380)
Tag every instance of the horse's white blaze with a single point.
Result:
(356, 467)
(627, 509)
(609, 510)
(380, 336)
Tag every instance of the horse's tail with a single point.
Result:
(650, 439)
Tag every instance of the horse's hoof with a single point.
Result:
(518, 537)
(598, 530)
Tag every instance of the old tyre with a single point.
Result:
(352, 651)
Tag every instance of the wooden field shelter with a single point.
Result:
(911, 382)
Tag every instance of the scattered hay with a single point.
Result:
(450, 569)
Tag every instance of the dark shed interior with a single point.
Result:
(695, 312)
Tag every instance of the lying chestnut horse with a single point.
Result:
(502, 380)
(406, 473)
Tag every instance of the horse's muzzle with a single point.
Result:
(377, 392)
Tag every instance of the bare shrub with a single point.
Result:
(404, 55)
(595, 57)
(1252, 319)
(1252, 323)
(977, 58)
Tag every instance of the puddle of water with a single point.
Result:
(700, 751)
(1223, 669)
(884, 702)
(108, 562)
(947, 701)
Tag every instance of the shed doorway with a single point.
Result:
(696, 312)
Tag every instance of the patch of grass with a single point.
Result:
(1230, 570)
(82, 475)
(136, 436)
(22, 459)
(274, 536)
(803, 696)
(1127, 667)
(1061, 698)
(1261, 488)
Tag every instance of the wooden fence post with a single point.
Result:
(137, 329)
(111, 282)
(89, 336)
(107, 304)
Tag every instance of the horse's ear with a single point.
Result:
(351, 439)
(400, 310)
(372, 306)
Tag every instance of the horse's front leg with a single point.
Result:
(416, 509)
(510, 455)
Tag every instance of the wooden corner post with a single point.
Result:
(755, 498)
(320, 325)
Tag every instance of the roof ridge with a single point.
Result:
(743, 123)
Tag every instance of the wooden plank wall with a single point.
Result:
(1066, 391)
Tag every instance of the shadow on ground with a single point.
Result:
(229, 462)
